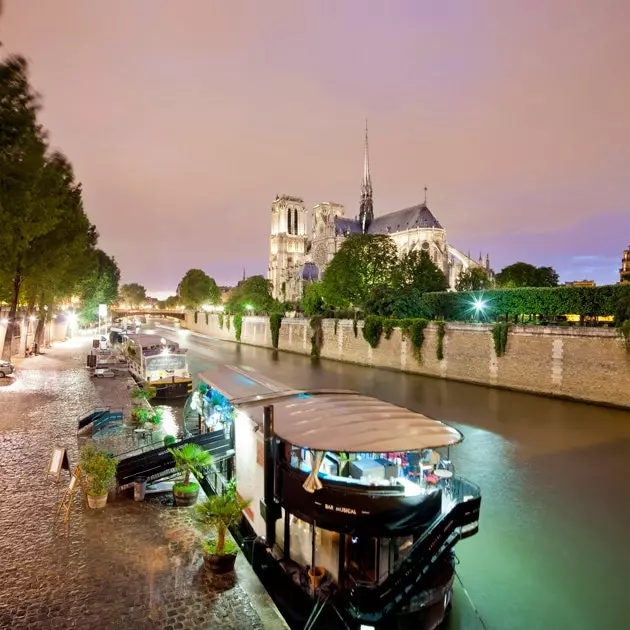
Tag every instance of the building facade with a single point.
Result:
(624, 272)
(414, 228)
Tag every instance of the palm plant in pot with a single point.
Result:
(100, 470)
(218, 514)
(189, 459)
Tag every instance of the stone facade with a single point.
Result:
(288, 243)
(588, 364)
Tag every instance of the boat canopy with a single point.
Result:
(330, 420)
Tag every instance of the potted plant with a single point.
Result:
(219, 513)
(190, 458)
(143, 393)
(99, 469)
(141, 415)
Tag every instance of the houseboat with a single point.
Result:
(354, 501)
(159, 363)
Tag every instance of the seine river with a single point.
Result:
(552, 551)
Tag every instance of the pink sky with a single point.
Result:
(184, 119)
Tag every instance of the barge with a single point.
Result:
(355, 504)
(158, 363)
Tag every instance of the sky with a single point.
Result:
(184, 120)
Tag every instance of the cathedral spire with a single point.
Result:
(366, 212)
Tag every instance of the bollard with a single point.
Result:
(139, 488)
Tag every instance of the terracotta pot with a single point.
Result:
(185, 499)
(97, 502)
(223, 563)
(316, 575)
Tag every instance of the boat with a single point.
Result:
(355, 504)
(158, 363)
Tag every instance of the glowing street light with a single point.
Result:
(479, 305)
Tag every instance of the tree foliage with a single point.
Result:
(253, 294)
(473, 279)
(99, 285)
(544, 301)
(198, 288)
(363, 262)
(133, 294)
(47, 241)
(312, 303)
(522, 274)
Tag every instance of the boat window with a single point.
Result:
(301, 541)
(327, 551)
(361, 558)
(411, 473)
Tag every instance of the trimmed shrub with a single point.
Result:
(373, 329)
(238, 326)
(275, 321)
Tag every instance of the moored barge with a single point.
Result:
(158, 363)
(355, 502)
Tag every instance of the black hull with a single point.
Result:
(296, 605)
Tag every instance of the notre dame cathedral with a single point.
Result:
(296, 260)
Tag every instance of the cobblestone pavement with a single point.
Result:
(132, 565)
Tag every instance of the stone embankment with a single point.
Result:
(131, 565)
(586, 364)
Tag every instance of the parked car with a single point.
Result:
(6, 368)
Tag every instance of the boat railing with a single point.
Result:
(460, 490)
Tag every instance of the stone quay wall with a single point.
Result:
(586, 364)
(53, 331)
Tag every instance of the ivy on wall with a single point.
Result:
(221, 320)
(500, 337)
(439, 338)
(317, 338)
(275, 321)
(373, 329)
(336, 320)
(196, 316)
(416, 336)
(355, 324)
(207, 315)
(238, 326)
(227, 322)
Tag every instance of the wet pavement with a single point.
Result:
(135, 565)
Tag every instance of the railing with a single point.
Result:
(373, 601)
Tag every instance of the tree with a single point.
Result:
(313, 301)
(22, 156)
(172, 301)
(473, 279)
(416, 270)
(363, 262)
(253, 294)
(99, 285)
(522, 274)
(197, 288)
(133, 294)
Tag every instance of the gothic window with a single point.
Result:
(425, 246)
(295, 221)
(289, 221)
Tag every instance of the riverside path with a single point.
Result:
(131, 565)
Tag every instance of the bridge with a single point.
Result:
(155, 312)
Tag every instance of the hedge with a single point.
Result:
(544, 301)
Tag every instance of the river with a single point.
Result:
(552, 549)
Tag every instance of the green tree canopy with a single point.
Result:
(252, 294)
(522, 274)
(416, 270)
(99, 285)
(363, 262)
(133, 294)
(198, 288)
(474, 279)
(312, 303)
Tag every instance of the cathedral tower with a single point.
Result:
(287, 247)
(366, 212)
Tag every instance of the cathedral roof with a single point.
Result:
(400, 221)
(309, 271)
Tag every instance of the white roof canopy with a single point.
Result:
(331, 420)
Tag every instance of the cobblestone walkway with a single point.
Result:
(132, 565)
